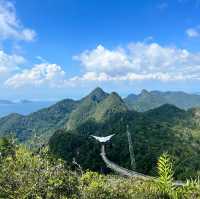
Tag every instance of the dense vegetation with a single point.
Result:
(26, 174)
(153, 99)
(98, 105)
(43, 122)
(69, 124)
(166, 128)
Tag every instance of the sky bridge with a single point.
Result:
(121, 170)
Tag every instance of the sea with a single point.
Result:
(24, 108)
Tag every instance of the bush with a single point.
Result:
(94, 185)
(31, 176)
(28, 175)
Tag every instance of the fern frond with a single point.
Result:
(165, 171)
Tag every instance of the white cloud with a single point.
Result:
(104, 60)
(193, 32)
(41, 74)
(28, 34)
(139, 61)
(136, 62)
(10, 25)
(92, 76)
(103, 77)
(9, 62)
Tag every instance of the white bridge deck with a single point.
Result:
(128, 173)
(120, 170)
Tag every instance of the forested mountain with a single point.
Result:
(97, 106)
(149, 100)
(68, 114)
(166, 128)
(86, 108)
(43, 122)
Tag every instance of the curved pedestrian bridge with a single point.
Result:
(120, 170)
(123, 171)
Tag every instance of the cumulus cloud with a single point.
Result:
(139, 61)
(10, 62)
(40, 74)
(10, 25)
(104, 60)
(193, 32)
(136, 62)
(103, 77)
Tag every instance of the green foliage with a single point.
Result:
(191, 189)
(166, 128)
(165, 171)
(167, 188)
(27, 176)
(86, 108)
(94, 185)
(7, 147)
(165, 182)
(98, 105)
(43, 122)
(153, 99)
(111, 105)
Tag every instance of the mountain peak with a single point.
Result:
(97, 94)
(98, 90)
(144, 92)
(109, 106)
(86, 108)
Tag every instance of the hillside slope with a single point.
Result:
(98, 107)
(177, 132)
(42, 122)
(86, 108)
(111, 105)
(68, 114)
(149, 100)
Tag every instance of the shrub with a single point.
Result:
(27, 176)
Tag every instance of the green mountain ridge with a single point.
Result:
(68, 124)
(166, 128)
(86, 108)
(112, 104)
(150, 100)
(42, 122)
(68, 114)
(98, 106)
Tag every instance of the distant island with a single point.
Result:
(24, 101)
(6, 102)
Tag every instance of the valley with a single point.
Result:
(66, 127)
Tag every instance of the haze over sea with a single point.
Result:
(23, 108)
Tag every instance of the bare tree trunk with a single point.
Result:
(131, 151)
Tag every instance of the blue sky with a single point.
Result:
(55, 49)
